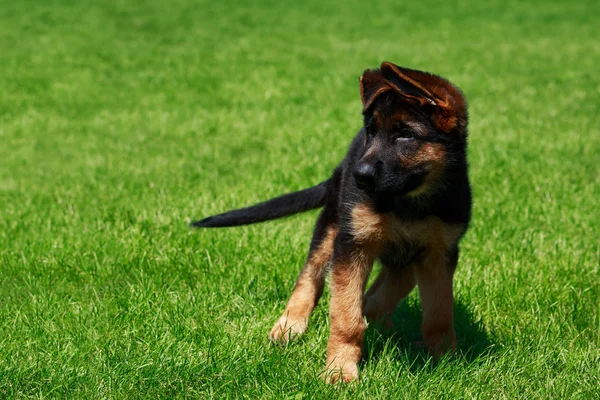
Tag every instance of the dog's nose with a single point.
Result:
(364, 174)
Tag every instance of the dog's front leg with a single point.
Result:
(350, 271)
(309, 287)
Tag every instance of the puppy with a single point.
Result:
(402, 196)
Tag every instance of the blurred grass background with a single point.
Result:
(122, 120)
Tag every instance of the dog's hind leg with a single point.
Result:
(434, 278)
(391, 286)
(309, 286)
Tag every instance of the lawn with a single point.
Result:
(120, 121)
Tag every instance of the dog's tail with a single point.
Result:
(282, 206)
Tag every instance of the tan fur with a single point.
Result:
(344, 349)
(429, 231)
(434, 278)
(369, 227)
(309, 287)
(387, 291)
(433, 155)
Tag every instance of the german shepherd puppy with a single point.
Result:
(401, 196)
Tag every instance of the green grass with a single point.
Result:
(120, 121)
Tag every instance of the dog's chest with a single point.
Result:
(385, 232)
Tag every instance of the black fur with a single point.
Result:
(282, 206)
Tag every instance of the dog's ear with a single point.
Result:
(446, 103)
(372, 84)
(406, 85)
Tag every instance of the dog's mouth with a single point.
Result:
(367, 187)
(394, 184)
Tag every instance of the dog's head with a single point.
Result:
(415, 131)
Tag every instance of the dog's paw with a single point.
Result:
(286, 329)
(342, 373)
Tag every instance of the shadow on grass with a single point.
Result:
(472, 340)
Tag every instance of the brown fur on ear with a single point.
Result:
(450, 107)
(372, 84)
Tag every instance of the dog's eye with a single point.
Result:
(369, 134)
(404, 134)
